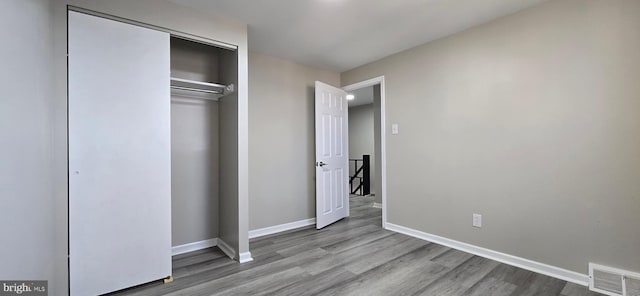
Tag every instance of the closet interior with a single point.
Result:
(203, 125)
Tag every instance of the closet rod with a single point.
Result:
(197, 89)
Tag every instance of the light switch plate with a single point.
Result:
(477, 220)
(394, 129)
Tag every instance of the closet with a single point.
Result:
(203, 112)
(153, 133)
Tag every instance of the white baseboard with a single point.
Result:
(377, 205)
(280, 228)
(190, 247)
(549, 270)
(228, 250)
(245, 257)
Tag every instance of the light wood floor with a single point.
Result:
(354, 256)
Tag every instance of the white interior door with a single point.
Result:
(119, 155)
(332, 155)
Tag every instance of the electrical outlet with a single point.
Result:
(477, 220)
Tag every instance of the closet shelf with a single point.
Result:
(199, 90)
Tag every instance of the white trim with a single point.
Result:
(228, 250)
(383, 142)
(552, 271)
(245, 257)
(194, 246)
(363, 84)
(377, 205)
(280, 228)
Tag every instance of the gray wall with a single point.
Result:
(229, 171)
(26, 166)
(195, 61)
(229, 186)
(155, 12)
(195, 142)
(194, 171)
(361, 138)
(531, 120)
(377, 101)
(282, 145)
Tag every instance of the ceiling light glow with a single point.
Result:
(350, 97)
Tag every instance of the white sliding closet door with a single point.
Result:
(119, 155)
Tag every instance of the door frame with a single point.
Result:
(383, 145)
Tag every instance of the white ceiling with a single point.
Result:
(363, 96)
(342, 34)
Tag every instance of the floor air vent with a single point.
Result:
(612, 281)
(632, 286)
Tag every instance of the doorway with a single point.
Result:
(367, 165)
(332, 152)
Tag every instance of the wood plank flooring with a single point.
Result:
(354, 256)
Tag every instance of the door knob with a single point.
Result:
(321, 164)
